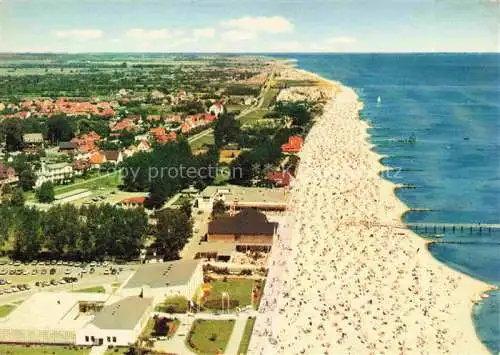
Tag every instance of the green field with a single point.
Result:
(238, 289)
(111, 180)
(269, 97)
(209, 336)
(247, 334)
(41, 350)
(205, 140)
(96, 289)
(253, 116)
(6, 309)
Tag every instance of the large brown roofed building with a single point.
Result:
(247, 228)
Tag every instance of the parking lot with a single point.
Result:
(17, 276)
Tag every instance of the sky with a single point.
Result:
(249, 26)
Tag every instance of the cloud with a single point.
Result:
(204, 32)
(162, 33)
(82, 34)
(274, 24)
(235, 36)
(341, 40)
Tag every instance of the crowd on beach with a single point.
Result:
(345, 276)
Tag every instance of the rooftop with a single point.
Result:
(156, 275)
(123, 314)
(248, 222)
(246, 194)
(55, 310)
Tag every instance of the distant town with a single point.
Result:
(141, 196)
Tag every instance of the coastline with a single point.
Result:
(373, 217)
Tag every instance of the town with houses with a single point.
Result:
(98, 261)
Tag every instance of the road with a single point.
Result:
(86, 282)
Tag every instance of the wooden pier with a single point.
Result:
(453, 227)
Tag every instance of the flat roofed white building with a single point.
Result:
(50, 317)
(164, 279)
(266, 199)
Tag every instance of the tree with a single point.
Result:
(186, 208)
(59, 129)
(174, 228)
(17, 198)
(27, 179)
(45, 194)
(218, 209)
(226, 129)
(12, 132)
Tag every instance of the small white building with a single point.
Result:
(164, 279)
(118, 323)
(55, 173)
(216, 109)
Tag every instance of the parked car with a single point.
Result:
(34, 272)
(52, 271)
(67, 271)
(43, 271)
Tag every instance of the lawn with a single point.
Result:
(204, 140)
(239, 290)
(95, 289)
(111, 180)
(117, 350)
(269, 97)
(6, 309)
(253, 116)
(41, 350)
(94, 182)
(209, 336)
(247, 334)
(174, 304)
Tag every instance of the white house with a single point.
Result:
(55, 173)
(118, 323)
(164, 279)
(216, 109)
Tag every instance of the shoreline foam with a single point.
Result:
(346, 276)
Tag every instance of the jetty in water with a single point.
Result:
(453, 227)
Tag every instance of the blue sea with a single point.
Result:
(437, 124)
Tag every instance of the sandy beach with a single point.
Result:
(345, 276)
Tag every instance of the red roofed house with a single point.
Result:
(294, 145)
(7, 175)
(87, 142)
(133, 201)
(123, 125)
(97, 159)
(279, 178)
(161, 136)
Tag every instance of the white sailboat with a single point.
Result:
(379, 100)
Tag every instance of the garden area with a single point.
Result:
(174, 304)
(160, 327)
(239, 293)
(209, 336)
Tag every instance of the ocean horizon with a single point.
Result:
(434, 118)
